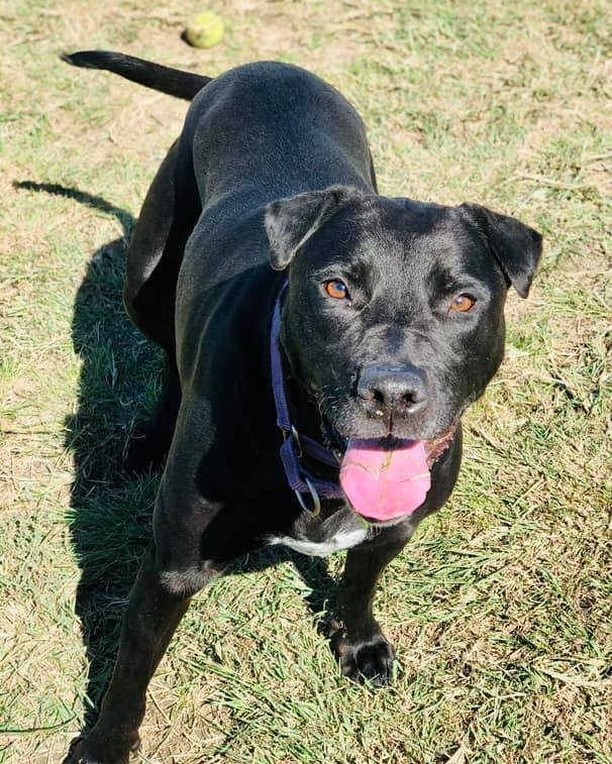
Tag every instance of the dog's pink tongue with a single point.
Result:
(383, 482)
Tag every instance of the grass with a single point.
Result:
(500, 607)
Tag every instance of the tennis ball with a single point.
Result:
(204, 30)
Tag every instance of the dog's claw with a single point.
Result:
(368, 662)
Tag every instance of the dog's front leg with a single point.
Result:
(362, 648)
(152, 615)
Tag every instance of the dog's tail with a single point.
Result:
(174, 82)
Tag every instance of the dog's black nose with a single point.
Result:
(402, 389)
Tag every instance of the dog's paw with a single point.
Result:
(367, 662)
(88, 750)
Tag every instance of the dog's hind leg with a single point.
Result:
(150, 439)
(149, 256)
(154, 258)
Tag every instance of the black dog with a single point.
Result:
(322, 341)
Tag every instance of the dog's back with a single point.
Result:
(259, 133)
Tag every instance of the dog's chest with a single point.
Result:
(321, 537)
(322, 548)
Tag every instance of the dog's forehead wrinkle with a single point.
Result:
(461, 268)
(381, 248)
(401, 257)
(456, 253)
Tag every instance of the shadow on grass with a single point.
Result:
(110, 515)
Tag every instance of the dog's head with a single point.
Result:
(394, 319)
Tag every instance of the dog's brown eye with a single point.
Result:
(337, 289)
(462, 303)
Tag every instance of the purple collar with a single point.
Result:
(294, 445)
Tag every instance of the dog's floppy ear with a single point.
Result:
(516, 247)
(291, 222)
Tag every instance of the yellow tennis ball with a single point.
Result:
(204, 30)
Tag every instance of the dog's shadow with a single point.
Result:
(110, 509)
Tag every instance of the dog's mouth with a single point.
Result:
(388, 478)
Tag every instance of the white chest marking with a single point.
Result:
(342, 540)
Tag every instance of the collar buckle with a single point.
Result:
(315, 509)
